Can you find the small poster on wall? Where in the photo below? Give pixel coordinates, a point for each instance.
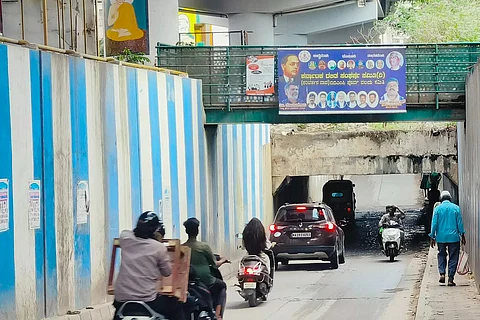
(4, 205)
(34, 204)
(83, 202)
(260, 75)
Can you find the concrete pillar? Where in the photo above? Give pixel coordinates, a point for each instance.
(291, 39)
(163, 20)
(261, 25)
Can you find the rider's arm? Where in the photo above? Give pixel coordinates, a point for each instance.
(163, 261)
(402, 213)
(382, 221)
(211, 257)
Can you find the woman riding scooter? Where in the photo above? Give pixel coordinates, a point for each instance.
(144, 261)
(256, 243)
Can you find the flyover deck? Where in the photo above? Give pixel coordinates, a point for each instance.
(435, 83)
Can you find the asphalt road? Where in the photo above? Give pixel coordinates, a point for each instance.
(366, 287)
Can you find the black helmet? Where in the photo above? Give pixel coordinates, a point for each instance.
(147, 224)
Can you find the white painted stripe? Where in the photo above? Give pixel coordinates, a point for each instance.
(249, 172)
(182, 176)
(239, 177)
(165, 147)
(258, 168)
(196, 153)
(231, 187)
(319, 312)
(145, 141)
(219, 233)
(62, 146)
(96, 171)
(22, 161)
(123, 149)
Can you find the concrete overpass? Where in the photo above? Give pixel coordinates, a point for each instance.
(285, 22)
(363, 153)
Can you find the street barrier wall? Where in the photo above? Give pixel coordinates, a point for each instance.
(101, 143)
(469, 171)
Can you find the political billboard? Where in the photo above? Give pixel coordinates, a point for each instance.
(342, 80)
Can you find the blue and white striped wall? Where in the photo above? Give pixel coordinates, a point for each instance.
(241, 181)
(137, 137)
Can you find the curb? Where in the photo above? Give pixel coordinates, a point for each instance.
(424, 311)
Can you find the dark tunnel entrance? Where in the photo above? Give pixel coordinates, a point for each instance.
(292, 190)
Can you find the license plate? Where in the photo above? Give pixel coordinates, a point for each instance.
(301, 235)
(249, 285)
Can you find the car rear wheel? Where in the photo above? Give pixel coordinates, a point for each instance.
(334, 260)
(341, 259)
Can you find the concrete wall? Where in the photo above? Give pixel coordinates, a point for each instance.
(374, 192)
(135, 137)
(373, 152)
(469, 171)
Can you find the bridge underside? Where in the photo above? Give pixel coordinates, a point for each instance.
(270, 115)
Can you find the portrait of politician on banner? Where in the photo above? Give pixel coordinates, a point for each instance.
(342, 80)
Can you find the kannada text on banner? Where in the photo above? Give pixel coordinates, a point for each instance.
(342, 80)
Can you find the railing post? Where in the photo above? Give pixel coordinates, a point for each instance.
(436, 77)
(228, 79)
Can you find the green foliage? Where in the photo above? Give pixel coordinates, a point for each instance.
(128, 56)
(434, 21)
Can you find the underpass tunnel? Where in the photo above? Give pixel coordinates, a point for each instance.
(291, 190)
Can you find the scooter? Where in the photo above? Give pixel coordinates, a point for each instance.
(392, 236)
(254, 280)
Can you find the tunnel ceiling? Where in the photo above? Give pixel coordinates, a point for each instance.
(258, 6)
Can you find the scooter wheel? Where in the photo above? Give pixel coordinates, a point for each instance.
(252, 299)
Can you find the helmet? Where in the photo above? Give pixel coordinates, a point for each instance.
(147, 224)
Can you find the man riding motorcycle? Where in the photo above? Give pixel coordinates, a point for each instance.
(205, 266)
(144, 261)
(391, 215)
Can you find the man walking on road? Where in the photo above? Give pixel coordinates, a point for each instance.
(447, 229)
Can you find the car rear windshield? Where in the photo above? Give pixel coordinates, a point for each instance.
(337, 196)
(301, 214)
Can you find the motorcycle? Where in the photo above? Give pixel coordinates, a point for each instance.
(137, 310)
(254, 280)
(392, 236)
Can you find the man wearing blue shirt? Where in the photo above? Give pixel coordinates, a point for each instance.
(447, 230)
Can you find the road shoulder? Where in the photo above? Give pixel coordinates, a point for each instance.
(441, 302)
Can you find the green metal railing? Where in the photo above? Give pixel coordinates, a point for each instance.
(435, 73)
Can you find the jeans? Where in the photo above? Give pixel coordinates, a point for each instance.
(453, 254)
(218, 291)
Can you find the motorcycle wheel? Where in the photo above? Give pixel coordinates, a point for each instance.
(252, 299)
(392, 258)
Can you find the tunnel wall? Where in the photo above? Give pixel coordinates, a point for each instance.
(362, 153)
(469, 171)
(103, 143)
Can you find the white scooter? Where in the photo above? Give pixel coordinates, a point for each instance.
(392, 237)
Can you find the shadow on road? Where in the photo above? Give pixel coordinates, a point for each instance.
(310, 266)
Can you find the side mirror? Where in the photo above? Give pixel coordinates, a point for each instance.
(353, 185)
(343, 223)
(239, 235)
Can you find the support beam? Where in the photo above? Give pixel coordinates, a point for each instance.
(270, 115)
(326, 19)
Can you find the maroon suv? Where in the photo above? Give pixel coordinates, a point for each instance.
(307, 232)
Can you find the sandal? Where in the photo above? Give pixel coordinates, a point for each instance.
(442, 278)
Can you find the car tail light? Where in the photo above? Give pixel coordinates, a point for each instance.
(349, 209)
(330, 226)
(274, 228)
